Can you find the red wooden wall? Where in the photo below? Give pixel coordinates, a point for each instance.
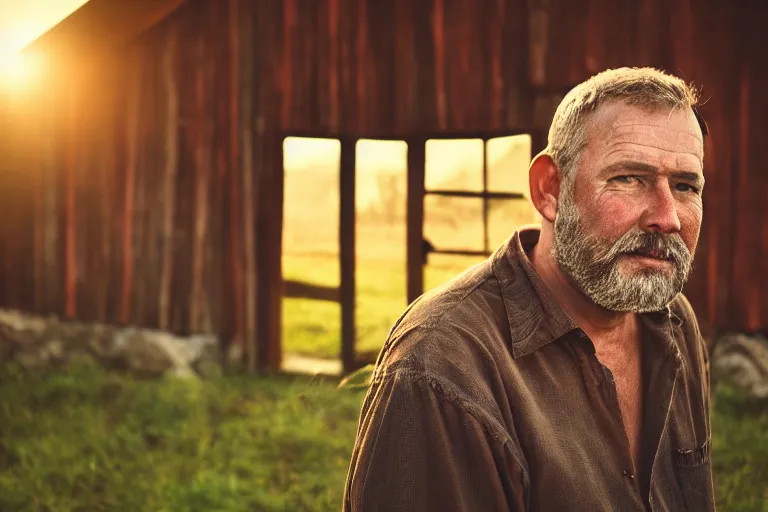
(146, 187)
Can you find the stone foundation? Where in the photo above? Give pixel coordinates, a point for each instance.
(40, 343)
(743, 361)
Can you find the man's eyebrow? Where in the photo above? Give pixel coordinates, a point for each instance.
(631, 165)
(694, 177)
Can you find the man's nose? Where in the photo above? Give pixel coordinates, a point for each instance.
(661, 212)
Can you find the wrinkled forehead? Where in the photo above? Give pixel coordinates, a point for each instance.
(619, 125)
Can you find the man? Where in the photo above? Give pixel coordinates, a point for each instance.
(567, 372)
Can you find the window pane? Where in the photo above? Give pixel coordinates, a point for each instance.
(311, 244)
(381, 189)
(454, 223)
(311, 210)
(505, 216)
(312, 328)
(454, 164)
(508, 161)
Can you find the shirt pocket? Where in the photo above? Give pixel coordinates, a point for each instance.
(694, 471)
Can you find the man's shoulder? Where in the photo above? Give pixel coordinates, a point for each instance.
(448, 300)
(453, 334)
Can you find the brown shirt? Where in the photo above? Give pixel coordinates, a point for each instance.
(488, 397)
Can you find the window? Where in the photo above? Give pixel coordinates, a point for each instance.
(476, 196)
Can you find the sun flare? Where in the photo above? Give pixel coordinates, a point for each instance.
(17, 70)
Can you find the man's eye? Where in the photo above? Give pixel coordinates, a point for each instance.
(684, 187)
(624, 179)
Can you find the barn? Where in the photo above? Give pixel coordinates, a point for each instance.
(143, 176)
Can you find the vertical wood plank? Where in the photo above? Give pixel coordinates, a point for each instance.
(348, 64)
(405, 70)
(201, 136)
(538, 42)
(169, 175)
(268, 214)
(648, 33)
(333, 66)
(682, 40)
(380, 66)
(498, 16)
(347, 252)
(154, 138)
(106, 210)
(248, 199)
(515, 73)
(271, 250)
(439, 49)
(132, 107)
(415, 217)
(361, 67)
(312, 61)
(759, 109)
(235, 165)
(37, 177)
(746, 263)
(70, 266)
(229, 330)
(138, 241)
(286, 83)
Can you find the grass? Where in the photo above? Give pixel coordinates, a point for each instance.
(740, 450)
(313, 327)
(90, 441)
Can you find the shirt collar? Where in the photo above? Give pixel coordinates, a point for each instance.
(535, 319)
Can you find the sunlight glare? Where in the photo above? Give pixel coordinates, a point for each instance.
(18, 71)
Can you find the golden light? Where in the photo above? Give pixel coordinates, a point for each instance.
(18, 71)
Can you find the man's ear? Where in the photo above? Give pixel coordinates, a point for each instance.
(544, 182)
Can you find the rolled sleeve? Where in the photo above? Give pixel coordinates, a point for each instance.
(419, 449)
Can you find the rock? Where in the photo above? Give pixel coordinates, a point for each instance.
(38, 343)
(145, 358)
(182, 352)
(18, 321)
(743, 361)
(102, 343)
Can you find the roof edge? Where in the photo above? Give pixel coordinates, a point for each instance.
(102, 23)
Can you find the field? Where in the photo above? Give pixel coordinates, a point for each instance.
(311, 238)
(87, 441)
(313, 328)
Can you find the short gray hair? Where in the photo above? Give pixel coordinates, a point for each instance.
(644, 87)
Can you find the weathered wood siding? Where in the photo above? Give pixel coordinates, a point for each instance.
(150, 192)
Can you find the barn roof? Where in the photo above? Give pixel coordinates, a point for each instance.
(101, 24)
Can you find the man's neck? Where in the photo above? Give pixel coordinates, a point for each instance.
(597, 322)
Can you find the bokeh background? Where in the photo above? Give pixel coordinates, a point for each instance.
(212, 212)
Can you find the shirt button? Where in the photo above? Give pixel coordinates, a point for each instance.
(629, 475)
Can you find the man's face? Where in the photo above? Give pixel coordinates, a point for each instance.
(626, 231)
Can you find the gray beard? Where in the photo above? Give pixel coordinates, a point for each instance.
(592, 263)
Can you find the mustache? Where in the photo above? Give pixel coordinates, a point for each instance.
(657, 245)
